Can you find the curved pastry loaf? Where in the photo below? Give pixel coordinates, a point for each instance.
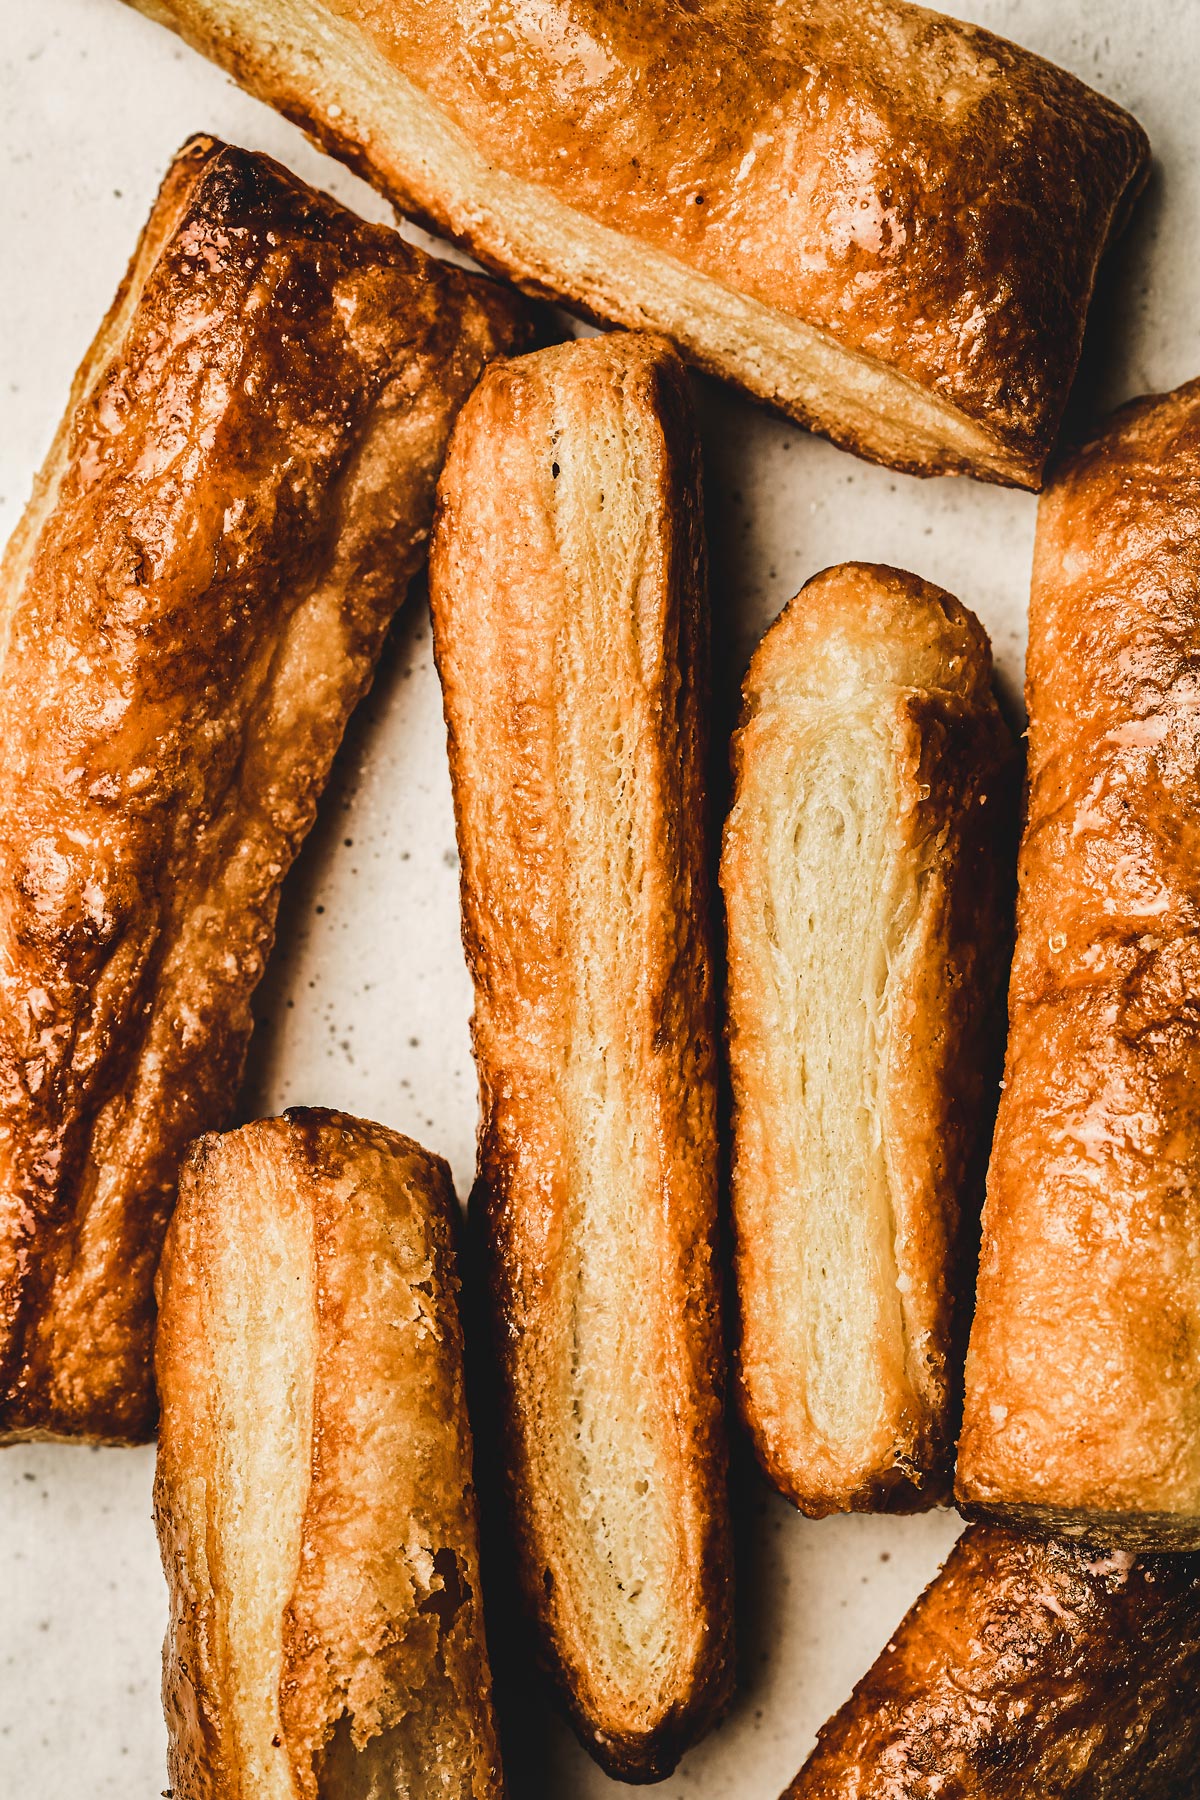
(192, 605)
(868, 901)
(1083, 1379)
(313, 1495)
(566, 584)
(1027, 1668)
(879, 220)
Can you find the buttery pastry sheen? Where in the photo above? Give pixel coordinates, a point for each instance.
(868, 893)
(1027, 1668)
(1083, 1378)
(193, 602)
(566, 585)
(313, 1493)
(882, 221)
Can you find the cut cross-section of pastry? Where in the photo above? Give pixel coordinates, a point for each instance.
(1082, 1408)
(314, 1494)
(566, 582)
(867, 880)
(194, 600)
(879, 220)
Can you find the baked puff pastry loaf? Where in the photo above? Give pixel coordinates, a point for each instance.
(566, 585)
(1027, 1668)
(866, 874)
(881, 221)
(192, 604)
(1083, 1380)
(313, 1494)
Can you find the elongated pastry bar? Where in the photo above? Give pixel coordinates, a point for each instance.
(1083, 1379)
(1027, 1668)
(881, 221)
(313, 1494)
(868, 897)
(566, 582)
(192, 604)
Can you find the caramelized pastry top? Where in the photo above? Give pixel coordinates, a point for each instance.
(193, 602)
(1027, 1668)
(924, 191)
(1091, 1254)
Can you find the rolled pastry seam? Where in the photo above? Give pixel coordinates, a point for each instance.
(314, 1496)
(1082, 1409)
(881, 221)
(867, 885)
(194, 600)
(1027, 1667)
(566, 585)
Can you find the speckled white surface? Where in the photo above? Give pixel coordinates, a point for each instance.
(366, 1003)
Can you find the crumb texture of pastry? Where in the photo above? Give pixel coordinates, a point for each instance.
(1082, 1407)
(567, 593)
(313, 1496)
(866, 872)
(1028, 1667)
(881, 221)
(239, 492)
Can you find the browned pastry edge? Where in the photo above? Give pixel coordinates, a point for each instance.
(1027, 1668)
(1143, 1533)
(195, 599)
(503, 590)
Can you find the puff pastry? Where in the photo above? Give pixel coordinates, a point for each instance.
(1027, 1668)
(566, 586)
(313, 1495)
(879, 220)
(1082, 1405)
(868, 904)
(192, 604)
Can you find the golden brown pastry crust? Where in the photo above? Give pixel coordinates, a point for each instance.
(879, 220)
(193, 603)
(868, 899)
(566, 585)
(326, 1625)
(1027, 1668)
(1083, 1379)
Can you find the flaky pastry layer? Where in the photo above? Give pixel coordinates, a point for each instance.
(879, 220)
(865, 872)
(192, 604)
(313, 1493)
(566, 584)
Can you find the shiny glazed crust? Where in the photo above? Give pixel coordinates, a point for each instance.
(1083, 1379)
(192, 604)
(313, 1494)
(1025, 1669)
(566, 583)
(883, 222)
(868, 901)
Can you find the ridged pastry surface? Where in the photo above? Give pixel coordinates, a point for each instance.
(567, 597)
(192, 604)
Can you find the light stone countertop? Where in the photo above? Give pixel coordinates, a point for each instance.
(367, 1000)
